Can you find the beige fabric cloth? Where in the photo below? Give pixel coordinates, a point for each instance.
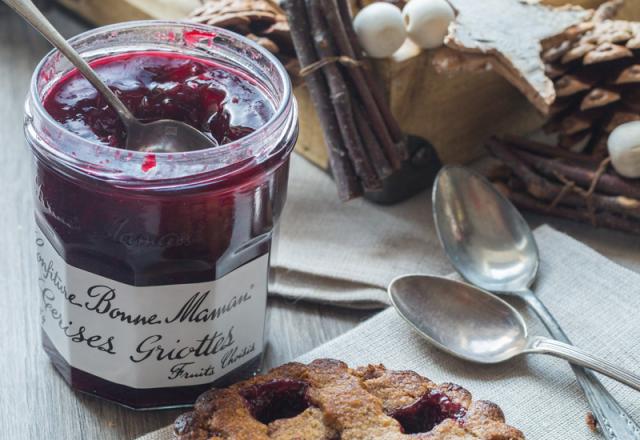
(346, 253)
(597, 302)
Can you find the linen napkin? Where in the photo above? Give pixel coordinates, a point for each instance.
(346, 253)
(596, 301)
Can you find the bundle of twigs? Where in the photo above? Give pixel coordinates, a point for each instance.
(553, 181)
(364, 141)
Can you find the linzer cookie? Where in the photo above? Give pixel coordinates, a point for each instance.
(328, 400)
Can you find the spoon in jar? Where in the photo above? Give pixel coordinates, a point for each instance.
(477, 326)
(492, 247)
(163, 136)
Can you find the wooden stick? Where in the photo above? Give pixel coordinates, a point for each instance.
(583, 176)
(378, 124)
(341, 100)
(525, 201)
(547, 150)
(372, 84)
(541, 188)
(348, 185)
(383, 167)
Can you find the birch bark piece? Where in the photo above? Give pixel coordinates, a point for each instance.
(449, 61)
(514, 31)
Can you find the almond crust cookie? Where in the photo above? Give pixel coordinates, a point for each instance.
(327, 400)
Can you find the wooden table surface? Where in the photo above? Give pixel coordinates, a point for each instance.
(35, 402)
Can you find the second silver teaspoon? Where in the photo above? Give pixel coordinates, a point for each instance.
(477, 326)
(164, 136)
(492, 246)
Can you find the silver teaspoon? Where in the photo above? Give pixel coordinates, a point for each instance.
(492, 246)
(477, 326)
(164, 135)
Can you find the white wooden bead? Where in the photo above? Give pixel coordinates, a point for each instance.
(380, 29)
(427, 21)
(408, 50)
(624, 149)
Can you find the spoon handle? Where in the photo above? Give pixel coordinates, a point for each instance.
(581, 357)
(34, 17)
(613, 420)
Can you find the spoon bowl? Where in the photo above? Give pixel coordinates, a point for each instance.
(484, 235)
(460, 319)
(477, 326)
(166, 136)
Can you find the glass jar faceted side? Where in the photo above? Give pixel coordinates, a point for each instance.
(176, 243)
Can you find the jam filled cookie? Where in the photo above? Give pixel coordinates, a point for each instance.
(327, 400)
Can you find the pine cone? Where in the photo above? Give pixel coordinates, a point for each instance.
(597, 80)
(263, 21)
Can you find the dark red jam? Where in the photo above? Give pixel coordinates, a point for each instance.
(157, 85)
(427, 412)
(179, 234)
(277, 399)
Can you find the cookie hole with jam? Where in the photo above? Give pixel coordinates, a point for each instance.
(427, 412)
(277, 399)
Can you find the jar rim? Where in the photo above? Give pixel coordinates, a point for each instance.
(283, 117)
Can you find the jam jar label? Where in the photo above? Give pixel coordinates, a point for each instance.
(156, 336)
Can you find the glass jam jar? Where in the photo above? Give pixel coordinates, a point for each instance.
(153, 267)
